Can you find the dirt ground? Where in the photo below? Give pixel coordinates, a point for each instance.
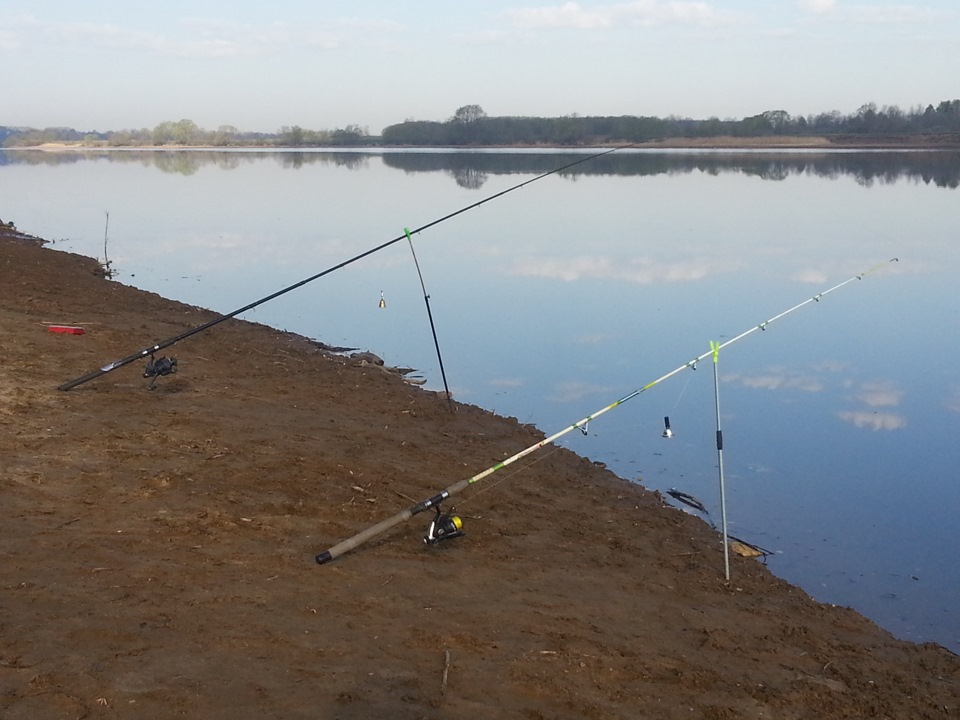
(158, 548)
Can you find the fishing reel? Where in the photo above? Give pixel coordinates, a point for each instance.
(444, 526)
(159, 368)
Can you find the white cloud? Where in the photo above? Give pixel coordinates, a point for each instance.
(891, 14)
(501, 37)
(375, 25)
(117, 37)
(875, 13)
(16, 31)
(778, 379)
(568, 15)
(833, 366)
(506, 382)
(593, 339)
(643, 13)
(324, 40)
(575, 390)
(880, 394)
(873, 420)
(216, 250)
(210, 27)
(818, 7)
(194, 37)
(953, 399)
(8, 41)
(811, 276)
(642, 271)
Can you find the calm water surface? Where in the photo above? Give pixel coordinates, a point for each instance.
(839, 421)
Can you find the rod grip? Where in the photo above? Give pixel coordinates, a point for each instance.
(362, 537)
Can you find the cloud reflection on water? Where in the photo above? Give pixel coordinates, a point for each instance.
(880, 394)
(778, 379)
(640, 270)
(873, 420)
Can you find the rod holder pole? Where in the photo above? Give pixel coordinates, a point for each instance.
(715, 349)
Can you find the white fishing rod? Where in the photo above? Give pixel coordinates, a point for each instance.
(434, 501)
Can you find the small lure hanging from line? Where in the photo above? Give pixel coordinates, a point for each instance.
(667, 432)
(383, 303)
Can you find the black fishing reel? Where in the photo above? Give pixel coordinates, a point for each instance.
(159, 368)
(444, 526)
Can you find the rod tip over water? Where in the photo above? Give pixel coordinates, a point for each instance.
(324, 557)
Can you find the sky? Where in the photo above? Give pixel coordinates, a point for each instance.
(112, 65)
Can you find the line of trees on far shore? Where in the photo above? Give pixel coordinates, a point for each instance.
(471, 126)
(186, 133)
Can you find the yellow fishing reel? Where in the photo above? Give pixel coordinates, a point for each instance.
(444, 526)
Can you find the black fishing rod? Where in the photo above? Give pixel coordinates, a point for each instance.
(149, 351)
(433, 328)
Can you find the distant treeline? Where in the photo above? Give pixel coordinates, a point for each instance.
(187, 133)
(471, 126)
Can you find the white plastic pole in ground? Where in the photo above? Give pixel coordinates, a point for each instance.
(715, 348)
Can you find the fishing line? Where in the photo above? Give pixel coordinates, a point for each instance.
(667, 430)
(519, 470)
(682, 391)
(384, 525)
(149, 351)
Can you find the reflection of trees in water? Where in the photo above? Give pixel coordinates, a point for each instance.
(469, 178)
(472, 169)
(177, 162)
(38, 157)
(295, 160)
(184, 162)
(939, 168)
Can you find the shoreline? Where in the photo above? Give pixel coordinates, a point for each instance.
(939, 142)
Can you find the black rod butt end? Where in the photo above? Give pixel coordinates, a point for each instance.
(324, 557)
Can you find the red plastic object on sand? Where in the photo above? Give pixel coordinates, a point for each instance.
(67, 329)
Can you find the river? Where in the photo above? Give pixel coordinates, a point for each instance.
(555, 299)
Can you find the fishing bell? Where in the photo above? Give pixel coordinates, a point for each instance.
(383, 303)
(444, 526)
(667, 432)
